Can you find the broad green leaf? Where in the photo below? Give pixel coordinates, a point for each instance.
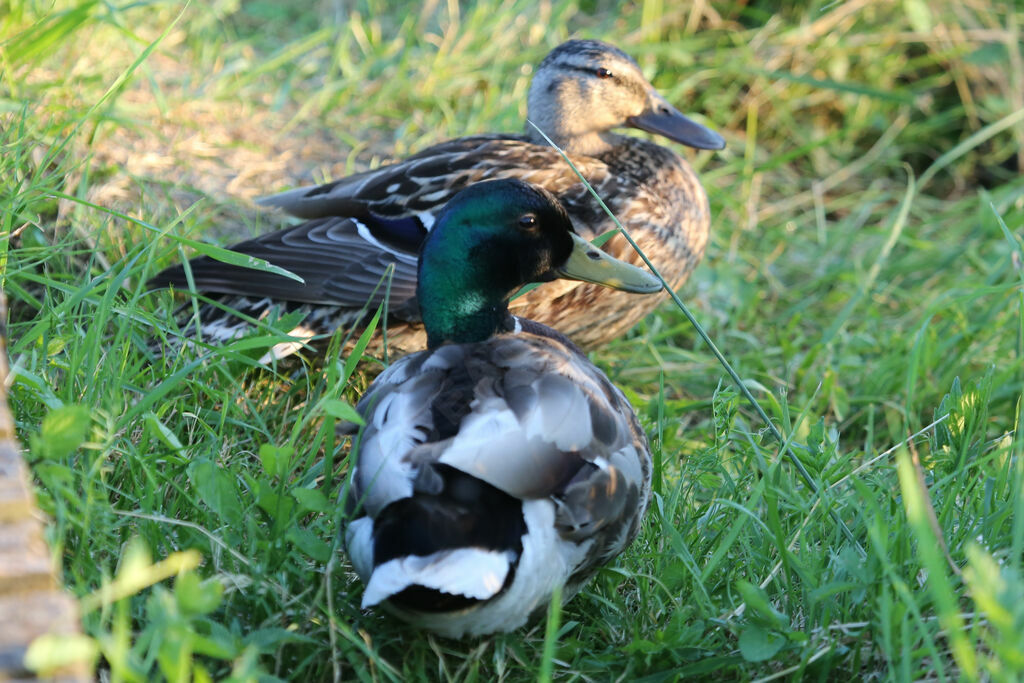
(276, 459)
(759, 606)
(63, 430)
(309, 543)
(163, 431)
(311, 500)
(342, 411)
(758, 644)
(218, 489)
(196, 596)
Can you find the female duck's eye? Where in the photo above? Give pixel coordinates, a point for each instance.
(603, 72)
(528, 222)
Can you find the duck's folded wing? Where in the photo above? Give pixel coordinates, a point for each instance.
(422, 183)
(535, 419)
(342, 261)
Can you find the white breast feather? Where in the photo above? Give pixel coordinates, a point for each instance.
(627, 461)
(441, 359)
(396, 373)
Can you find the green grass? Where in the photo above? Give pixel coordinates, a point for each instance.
(864, 278)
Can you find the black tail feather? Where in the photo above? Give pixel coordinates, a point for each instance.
(466, 513)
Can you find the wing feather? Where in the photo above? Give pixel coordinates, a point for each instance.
(340, 267)
(426, 181)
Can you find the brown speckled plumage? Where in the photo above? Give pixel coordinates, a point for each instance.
(358, 225)
(665, 210)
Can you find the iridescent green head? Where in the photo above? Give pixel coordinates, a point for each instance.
(491, 239)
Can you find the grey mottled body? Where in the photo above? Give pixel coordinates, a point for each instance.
(565, 466)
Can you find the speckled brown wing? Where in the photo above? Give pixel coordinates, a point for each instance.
(424, 182)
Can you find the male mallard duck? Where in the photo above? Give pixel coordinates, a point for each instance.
(360, 225)
(499, 463)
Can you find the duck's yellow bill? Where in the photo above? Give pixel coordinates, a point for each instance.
(590, 264)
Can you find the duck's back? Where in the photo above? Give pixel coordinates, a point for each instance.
(487, 474)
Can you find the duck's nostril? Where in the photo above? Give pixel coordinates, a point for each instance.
(594, 255)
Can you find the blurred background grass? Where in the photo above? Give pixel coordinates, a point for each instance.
(864, 276)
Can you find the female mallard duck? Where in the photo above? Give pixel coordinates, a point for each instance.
(361, 225)
(500, 463)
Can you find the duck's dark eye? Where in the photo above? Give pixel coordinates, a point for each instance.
(528, 222)
(603, 72)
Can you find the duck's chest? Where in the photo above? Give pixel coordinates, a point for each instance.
(657, 197)
(651, 190)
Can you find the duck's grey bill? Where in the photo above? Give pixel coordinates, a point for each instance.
(668, 121)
